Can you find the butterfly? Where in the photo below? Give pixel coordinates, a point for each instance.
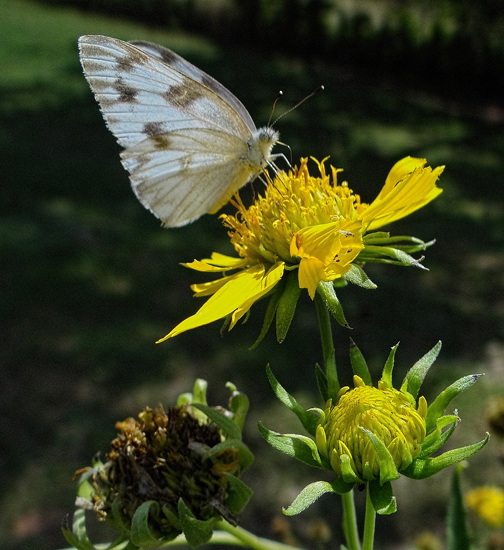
(189, 143)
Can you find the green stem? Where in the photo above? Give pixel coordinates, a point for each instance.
(350, 521)
(329, 355)
(243, 537)
(369, 523)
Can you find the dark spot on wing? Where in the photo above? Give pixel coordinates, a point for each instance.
(168, 56)
(127, 94)
(126, 64)
(182, 95)
(161, 141)
(208, 81)
(153, 129)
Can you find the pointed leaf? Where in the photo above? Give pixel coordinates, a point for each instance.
(357, 276)
(224, 422)
(197, 532)
(77, 537)
(388, 469)
(238, 494)
(199, 391)
(143, 534)
(359, 365)
(307, 418)
(389, 367)
(422, 468)
(457, 535)
(328, 295)
(246, 456)
(438, 406)
(311, 493)
(415, 376)
(384, 502)
(270, 314)
(287, 305)
(239, 405)
(298, 446)
(435, 440)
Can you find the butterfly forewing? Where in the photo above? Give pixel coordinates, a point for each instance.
(189, 143)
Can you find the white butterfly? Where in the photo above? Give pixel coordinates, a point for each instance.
(189, 143)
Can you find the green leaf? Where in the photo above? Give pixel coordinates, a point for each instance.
(389, 367)
(197, 532)
(388, 469)
(199, 391)
(239, 405)
(246, 455)
(359, 365)
(77, 536)
(287, 305)
(309, 495)
(308, 419)
(384, 502)
(298, 446)
(270, 314)
(438, 406)
(143, 534)
(373, 253)
(376, 237)
(357, 276)
(327, 293)
(422, 468)
(225, 423)
(238, 494)
(415, 376)
(457, 535)
(435, 440)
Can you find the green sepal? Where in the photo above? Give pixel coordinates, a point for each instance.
(388, 469)
(196, 531)
(347, 472)
(438, 406)
(415, 376)
(389, 367)
(376, 237)
(321, 378)
(313, 492)
(308, 419)
(435, 440)
(382, 498)
(297, 446)
(357, 276)
(457, 535)
(372, 253)
(239, 405)
(224, 422)
(77, 536)
(246, 456)
(116, 518)
(238, 492)
(287, 305)
(142, 534)
(326, 291)
(359, 365)
(426, 467)
(84, 488)
(270, 314)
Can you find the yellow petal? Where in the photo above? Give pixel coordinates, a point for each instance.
(311, 272)
(240, 291)
(218, 262)
(409, 194)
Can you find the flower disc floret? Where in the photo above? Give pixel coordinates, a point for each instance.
(384, 412)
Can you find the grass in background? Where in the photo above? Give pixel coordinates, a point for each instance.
(90, 280)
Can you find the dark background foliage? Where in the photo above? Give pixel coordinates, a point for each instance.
(89, 279)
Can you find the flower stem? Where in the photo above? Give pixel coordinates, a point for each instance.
(369, 523)
(324, 321)
(350, 521)
(242, 537)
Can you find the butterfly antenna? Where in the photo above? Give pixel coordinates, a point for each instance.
(309, 96)
(279, 95)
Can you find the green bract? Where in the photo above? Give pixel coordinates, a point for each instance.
(373, 434)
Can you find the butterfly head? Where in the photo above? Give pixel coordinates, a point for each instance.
(260, 145)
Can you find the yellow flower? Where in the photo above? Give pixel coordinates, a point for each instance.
(313, 224)
(488, 503)
(384, 412)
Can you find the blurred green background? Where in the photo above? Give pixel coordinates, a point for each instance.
(90, 280)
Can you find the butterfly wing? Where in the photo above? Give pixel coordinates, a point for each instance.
(186, 137)
(188, 172)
